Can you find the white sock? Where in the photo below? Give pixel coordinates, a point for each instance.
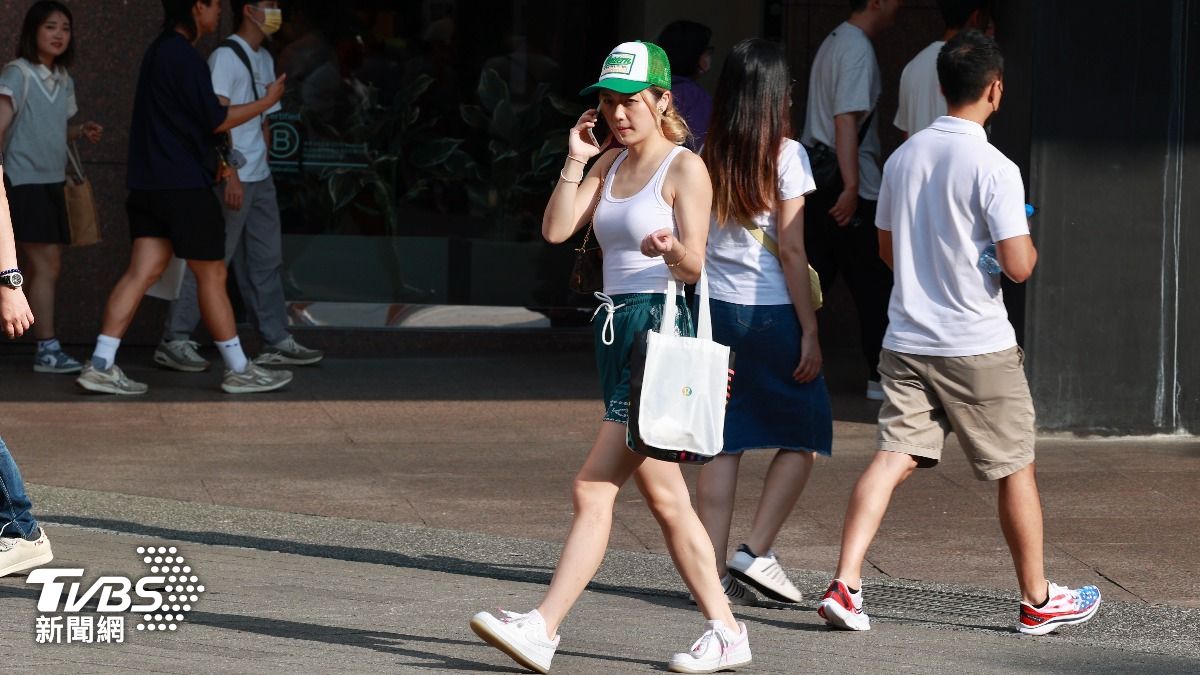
(106, 351)
(51, 345)
(231, 352)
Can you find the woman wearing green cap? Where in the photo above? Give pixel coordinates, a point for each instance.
(650, 201)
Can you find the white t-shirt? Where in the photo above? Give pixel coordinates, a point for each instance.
(231, 80)
(921, 100)
(743, 271)
(947, 194)
(845, 78)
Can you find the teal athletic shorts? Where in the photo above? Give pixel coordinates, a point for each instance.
(633, 314)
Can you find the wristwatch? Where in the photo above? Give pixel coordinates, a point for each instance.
(12, 278)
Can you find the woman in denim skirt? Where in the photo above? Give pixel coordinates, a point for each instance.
(762, 308)
(651, 200)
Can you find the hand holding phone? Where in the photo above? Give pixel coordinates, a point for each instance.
(600, 134)
(584, 142)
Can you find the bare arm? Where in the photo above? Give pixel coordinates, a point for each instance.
(691, 198)
(240, 114)
(885, 248)
(794, 259)
(15, 317)
(6, 118)
(570, 205)
(846, 144)
(1017, 257)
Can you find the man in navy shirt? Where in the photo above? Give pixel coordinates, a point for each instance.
(172, 208)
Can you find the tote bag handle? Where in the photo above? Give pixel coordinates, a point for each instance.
(670, 311)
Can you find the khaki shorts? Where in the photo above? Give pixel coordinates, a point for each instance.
(984, 399)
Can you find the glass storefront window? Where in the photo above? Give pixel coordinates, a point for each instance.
(418, 142)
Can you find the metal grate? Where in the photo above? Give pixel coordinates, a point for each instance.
(901, 600)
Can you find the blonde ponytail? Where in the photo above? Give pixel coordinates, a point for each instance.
(672, 124)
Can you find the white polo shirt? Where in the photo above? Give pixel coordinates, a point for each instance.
(232, 80)
(921, 100)
(845, 78)
(946, 195)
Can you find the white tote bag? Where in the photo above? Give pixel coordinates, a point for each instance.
(678, 412)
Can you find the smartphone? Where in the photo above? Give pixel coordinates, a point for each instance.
(600, 133)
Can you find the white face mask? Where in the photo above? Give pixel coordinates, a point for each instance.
(272, 21)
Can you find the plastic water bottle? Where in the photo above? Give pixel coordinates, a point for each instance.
(987, 260)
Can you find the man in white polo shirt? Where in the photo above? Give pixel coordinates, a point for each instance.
(921, 100)
(950, 360)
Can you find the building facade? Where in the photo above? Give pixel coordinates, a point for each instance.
(419, 139)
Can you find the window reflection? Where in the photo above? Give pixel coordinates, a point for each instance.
(419, 141)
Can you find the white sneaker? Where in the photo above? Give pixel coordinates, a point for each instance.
(289, 353)
(521, 636)
(718, 649)
(764, 574)
(874, 390)
(255, 380)
(180, 355)
(111, 381)
(18, 555)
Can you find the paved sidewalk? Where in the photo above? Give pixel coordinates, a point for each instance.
(355, 521)
(289, 593)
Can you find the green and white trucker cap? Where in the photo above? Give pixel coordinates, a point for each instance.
(632, 67)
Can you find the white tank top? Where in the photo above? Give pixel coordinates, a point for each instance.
(622, 224)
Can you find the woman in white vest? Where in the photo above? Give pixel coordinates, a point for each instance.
(37, 98)
(651, 202)
(762, 307)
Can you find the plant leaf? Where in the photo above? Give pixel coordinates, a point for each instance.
(492, 89)
(434, 152)
(505, 124)
(568, 108)
(474, 116)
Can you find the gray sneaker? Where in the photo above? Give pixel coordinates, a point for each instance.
(289, 353)
(180, 355)
(55, 361)
(254, 380)
(111, 381)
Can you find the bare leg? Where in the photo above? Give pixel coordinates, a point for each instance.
(868, 503)
(715, 492)
(608, 465)
(1021, 520)
(42, 263)
(667, 495)
(215, 308)
(786, 478)
(147, 261)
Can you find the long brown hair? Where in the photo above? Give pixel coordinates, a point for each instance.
(749, 122)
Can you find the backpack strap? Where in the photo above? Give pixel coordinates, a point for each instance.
(236, 48)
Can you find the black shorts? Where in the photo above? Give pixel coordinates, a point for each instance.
(191, 219)
(39, 212)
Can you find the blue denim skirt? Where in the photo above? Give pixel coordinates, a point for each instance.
(767, 408)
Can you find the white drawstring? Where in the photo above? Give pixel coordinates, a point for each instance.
(608, 334)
